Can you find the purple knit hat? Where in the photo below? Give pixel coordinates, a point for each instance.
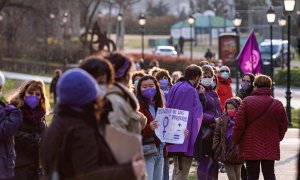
(76, 88)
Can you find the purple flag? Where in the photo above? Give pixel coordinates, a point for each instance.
(249, 58)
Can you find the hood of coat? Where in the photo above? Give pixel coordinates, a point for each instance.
(119, 88)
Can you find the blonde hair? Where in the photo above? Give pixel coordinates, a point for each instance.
(18, 99)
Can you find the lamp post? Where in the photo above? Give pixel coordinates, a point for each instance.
(64, 24)
(142, 22)
(119, 19)
(289, 6)
(191, 21)
(237, 21)
(282, 23)
(271, 16)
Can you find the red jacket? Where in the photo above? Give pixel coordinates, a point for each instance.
(224, 90)
(260, 126)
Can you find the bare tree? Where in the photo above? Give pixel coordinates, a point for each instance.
(122, 5)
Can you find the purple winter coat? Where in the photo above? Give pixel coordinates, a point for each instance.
(10, 122)
(184, 96)
(213, 108)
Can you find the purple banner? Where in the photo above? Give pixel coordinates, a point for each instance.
(249, 58)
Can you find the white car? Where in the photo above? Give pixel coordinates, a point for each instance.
(165, 50)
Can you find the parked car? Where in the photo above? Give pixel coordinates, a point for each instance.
(279, 52)
(165, 50)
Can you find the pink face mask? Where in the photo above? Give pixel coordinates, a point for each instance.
(231, 113)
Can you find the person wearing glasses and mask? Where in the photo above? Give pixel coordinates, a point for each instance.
(203, 153)
(224, 87)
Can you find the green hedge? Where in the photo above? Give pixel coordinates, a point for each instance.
(281, 79)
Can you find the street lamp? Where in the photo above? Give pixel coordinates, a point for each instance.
(142, 22)
(271, 16)
(119, 19)
(289, 6)
(52, 16)
(282, 23)
(65, 19)
(191, 21)
(237, 21)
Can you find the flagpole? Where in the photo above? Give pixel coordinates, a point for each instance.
(252, 56)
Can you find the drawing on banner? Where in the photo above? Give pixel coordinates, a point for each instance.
(171, 125)
(166, 123)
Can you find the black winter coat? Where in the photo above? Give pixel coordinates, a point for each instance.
(73, 144)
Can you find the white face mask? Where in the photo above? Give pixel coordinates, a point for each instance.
(213, 84)
(206, 82)
(103, 90)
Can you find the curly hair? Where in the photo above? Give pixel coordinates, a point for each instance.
(18, 99)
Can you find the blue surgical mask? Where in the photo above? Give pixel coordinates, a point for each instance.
(32, 101)
(135, 83)
(225, 75)
(149, 93)
(164, 84)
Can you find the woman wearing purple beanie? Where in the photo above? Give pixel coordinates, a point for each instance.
(73, 147)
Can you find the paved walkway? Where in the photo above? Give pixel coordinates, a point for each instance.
(286, 168)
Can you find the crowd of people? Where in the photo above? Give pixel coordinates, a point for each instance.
(242, 132)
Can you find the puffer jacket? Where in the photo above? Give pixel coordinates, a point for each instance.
(261, 123)
(10, 122)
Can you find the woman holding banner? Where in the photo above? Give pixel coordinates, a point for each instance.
(150, 99)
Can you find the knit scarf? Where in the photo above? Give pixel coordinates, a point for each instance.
(34, 116)
(229, 127)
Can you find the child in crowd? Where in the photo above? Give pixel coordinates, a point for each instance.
(164, 80)
(225, 150)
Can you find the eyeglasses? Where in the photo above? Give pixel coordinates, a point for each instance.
(224, 71)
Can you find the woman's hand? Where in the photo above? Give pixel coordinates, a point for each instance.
(153, 124)
(202, 89)
(138, 166)
(186, 133)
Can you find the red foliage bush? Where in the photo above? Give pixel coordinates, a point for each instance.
(167, 62)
